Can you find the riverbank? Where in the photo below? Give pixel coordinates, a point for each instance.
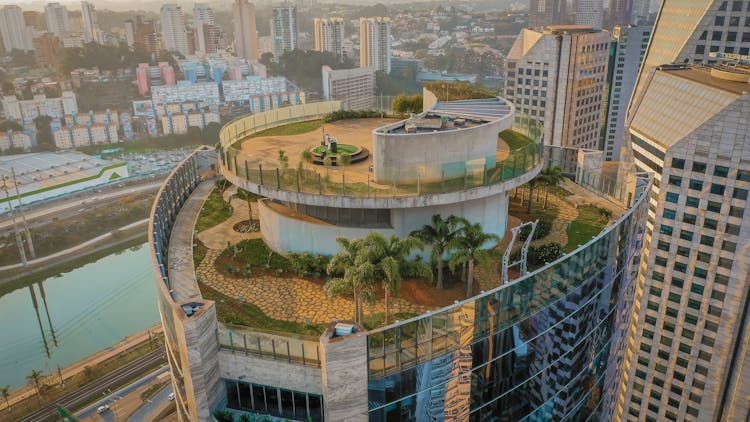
(113, 242)
(25, 400)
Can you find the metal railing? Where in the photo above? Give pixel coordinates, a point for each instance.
(280, 347)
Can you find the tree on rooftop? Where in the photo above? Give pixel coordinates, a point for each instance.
(549, 177)
(438, 235)
(468, 248)
(356, 276)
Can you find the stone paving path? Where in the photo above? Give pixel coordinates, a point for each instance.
(290, 298)
(217, 237)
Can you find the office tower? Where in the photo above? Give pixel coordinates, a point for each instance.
(15, 34)
(375, 43)
(329, 35)
(245, 34)
(547, 12)
(90, 29)
(58, 21)
(620, 13)
(589, 13)
(203, 16)
(689, 31)
(355, 86)
(558, 76)
(46, 49)
(628, 47)
(173, 30)
(284, 29)
(689, 357)
(129, 32)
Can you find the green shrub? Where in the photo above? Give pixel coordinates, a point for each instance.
(543, 254)
(351, 114)
(306, 264)
(543, 228)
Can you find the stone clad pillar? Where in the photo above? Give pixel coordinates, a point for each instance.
(344, 368)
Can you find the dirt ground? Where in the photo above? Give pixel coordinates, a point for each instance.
(356, 132)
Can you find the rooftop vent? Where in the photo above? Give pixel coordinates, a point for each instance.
(343, 329)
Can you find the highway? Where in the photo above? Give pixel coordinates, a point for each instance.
(37, 211)
(143, 411)
(94, 390)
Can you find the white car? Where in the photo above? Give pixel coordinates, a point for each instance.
(171, 396)
(102, 409)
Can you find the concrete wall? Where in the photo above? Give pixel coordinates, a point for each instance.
(269, 372)
(404, 157)
(287, 233)
(428, 99)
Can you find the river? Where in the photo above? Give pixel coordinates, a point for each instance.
(62, 319)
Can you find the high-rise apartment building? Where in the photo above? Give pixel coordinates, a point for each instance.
(620, 13)
(245, 33)
(173, 30)
(547, 12)
(146, 36)
(203, 20)
(35, 20)
(589, 13)
(329, 35)
(13, 30)
(284, 29)
(375, 43)
(627, 50)
(355, 86)
(689, 356)
(558, 77)
(641, 11)
(129, 32)
(58, 21)
(90, 28)
(47, 49)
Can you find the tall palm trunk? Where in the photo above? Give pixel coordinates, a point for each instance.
(440, 272)
(387, 304)
(470, 283)
(546, 195)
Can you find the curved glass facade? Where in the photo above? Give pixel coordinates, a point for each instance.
(538, 348)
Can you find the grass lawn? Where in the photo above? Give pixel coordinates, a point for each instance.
(214, 211)
(199, 252)
(589, 223)
(514, 139)
(257, 254)
(341, 148)
(290, 129)
(231, 311)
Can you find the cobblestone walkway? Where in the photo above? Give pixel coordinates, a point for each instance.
(290, 298)
(217, 237)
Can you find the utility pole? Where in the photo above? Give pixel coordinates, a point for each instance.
(19, 241)
(23, 215)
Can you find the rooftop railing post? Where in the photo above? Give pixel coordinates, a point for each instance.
(343, 185)
(320, 184)
(502, 171)
(260, 171)
(419, 185)
(524, 162)
(278, 179)
(260, 350)
(442, 180)
(466, 176)
(288, 353)
(297, 171)
(303, 353)
(368, 186)
(247, 172)
(231, 341)
(273, 348)
(244, 341)
(515, 158)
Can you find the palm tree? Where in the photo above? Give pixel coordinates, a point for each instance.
(35, 377)
(468, 248)
(358, 275)
(438, 235)
(549, 177)
(5, 392)
(389, 258)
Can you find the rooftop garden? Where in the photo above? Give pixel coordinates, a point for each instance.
(453, 91)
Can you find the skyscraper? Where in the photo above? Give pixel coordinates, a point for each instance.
(245, 33)
(90, 29)
(628, 47)
(130, 32)
(547, 12)
(558, 76)
(620, 13)
(58, 21)
(375, 43)
(203, 19)
(329, 35)
(688, 356)
(284, 29)
(589, 13)
(15, 34)
(173, 30)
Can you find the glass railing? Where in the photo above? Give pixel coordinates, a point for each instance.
(338, 181)
(278, 347)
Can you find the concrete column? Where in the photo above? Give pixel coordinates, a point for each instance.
(344, 367)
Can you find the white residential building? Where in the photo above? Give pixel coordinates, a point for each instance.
(17, 140)
(90, 28)
(14, 32)
(58, 21)
(205, 93)
(355, 86)
(81, 135)
(284, 30)
(329, 35)
(27, 110)
(179, 122)
(375, 43)
(173, 30)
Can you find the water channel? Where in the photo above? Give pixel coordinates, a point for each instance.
(62, 319)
